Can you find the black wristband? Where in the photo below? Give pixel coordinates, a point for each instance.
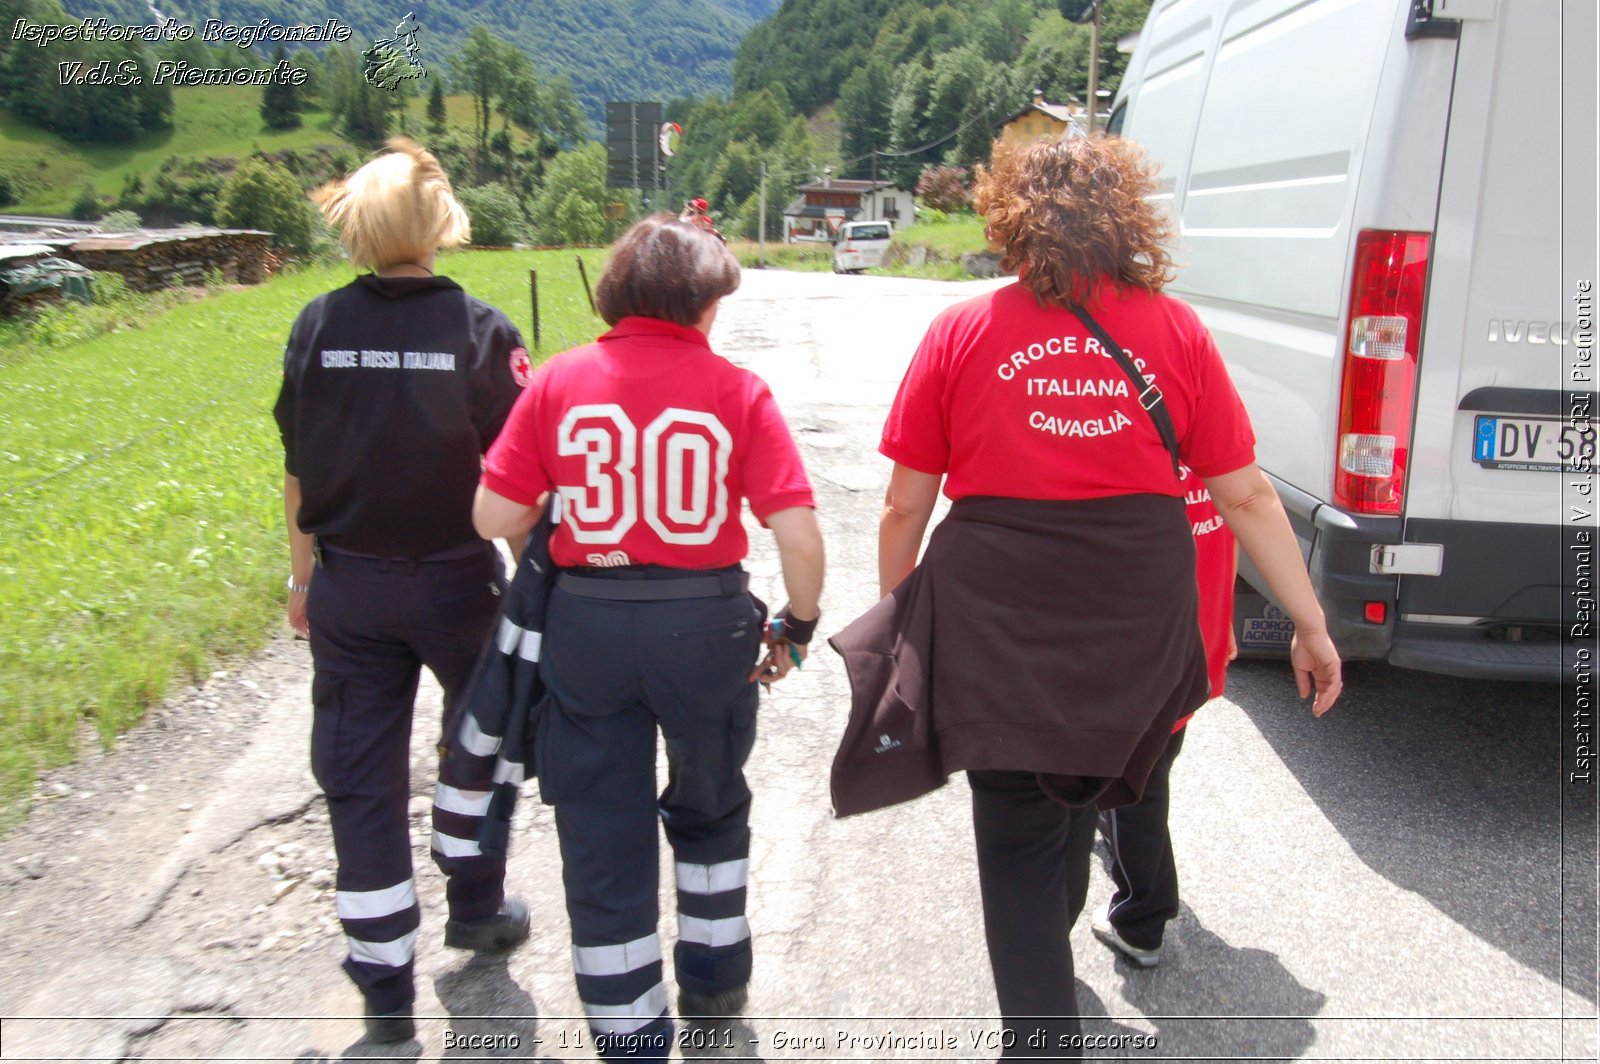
(797, 631)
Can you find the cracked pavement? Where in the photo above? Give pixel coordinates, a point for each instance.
(173, 899)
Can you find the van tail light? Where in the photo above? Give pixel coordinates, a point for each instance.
(1380, 371)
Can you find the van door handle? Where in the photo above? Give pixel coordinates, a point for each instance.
(1408, 559)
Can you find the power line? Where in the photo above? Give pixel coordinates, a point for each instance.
(893, 154)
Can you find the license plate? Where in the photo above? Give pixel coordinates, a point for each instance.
(1539, 445)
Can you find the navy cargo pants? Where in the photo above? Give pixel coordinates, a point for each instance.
(375, 622)
(616, 671)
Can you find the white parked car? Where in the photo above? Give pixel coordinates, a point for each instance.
(1372, 221)
(860, 245)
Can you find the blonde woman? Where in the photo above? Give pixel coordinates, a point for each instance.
(394, 386)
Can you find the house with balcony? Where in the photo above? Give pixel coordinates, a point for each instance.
(823, 206)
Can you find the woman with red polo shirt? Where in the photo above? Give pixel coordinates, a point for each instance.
(648, 443)
(1063, 584)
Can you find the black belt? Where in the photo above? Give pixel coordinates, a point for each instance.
(655, 586)
(465, 550)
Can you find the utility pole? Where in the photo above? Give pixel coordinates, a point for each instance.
(1094, 65)
(875, 184)
(761, 221)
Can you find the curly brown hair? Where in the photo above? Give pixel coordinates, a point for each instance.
(1070, 213)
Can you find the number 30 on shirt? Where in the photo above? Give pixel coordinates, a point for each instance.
(680, 461)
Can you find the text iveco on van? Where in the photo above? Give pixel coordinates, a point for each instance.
(1370, 220)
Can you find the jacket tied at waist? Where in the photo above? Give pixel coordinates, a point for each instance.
(1049, 636)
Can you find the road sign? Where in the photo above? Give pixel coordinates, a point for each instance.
(633, 145)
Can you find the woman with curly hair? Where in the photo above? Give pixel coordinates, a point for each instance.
(1058, 597)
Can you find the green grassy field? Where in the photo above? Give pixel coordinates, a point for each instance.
(950, 239)
(215, 121)
(781, 256)
(141, 526)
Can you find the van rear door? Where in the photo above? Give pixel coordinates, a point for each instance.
(1492, 428)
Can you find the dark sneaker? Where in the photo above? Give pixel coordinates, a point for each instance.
(397, 1026)
(1100, 924)
(706, 1006)
(504, 929)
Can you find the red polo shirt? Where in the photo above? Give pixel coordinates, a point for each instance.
(653, 442)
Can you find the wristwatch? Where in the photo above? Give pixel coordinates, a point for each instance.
(294, 588)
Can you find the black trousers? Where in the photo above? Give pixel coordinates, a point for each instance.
(1033, 870)
(1142, 867)
(374, 624)
(616, 673)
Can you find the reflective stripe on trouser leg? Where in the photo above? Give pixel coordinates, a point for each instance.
(624, 998)
(380, 925)
(713, 951)
(705, 810)
(606, 823)
(477, 882)
(380, 928)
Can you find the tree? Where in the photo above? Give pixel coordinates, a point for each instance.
(484, 66)
(1002, 29)
(1055, 60)
(311, 88)
(577, 221)
(748, 222)
(437, 116)
(572, 178)
(945, 188)
(908, 130)
(88, 205)
(955, 97)
(736, 176)
(496, 215)
(280, 99)
(366, 116)
(864, 113)
(564, 120)
(263, 195)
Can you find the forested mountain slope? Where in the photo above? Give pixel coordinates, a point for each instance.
(610, 49)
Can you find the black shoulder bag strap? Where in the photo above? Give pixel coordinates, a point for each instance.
(1149, 395)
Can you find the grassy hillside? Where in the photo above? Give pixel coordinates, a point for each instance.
(219, 121)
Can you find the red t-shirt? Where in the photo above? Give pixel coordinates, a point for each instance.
(653, 442)
(1017, 400)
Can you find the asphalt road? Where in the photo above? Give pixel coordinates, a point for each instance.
(1387, 883)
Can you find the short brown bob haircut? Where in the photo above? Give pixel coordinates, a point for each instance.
(1072, 213)
(664, 268)
(397, 208)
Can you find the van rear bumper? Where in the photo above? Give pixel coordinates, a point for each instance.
(1505, 575)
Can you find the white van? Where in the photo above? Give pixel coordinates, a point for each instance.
(1373, 223)
(859, 245)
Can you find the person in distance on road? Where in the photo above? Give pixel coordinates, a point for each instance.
(698, 212)
(393, 387)
(648, 444)
(1060, 592)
